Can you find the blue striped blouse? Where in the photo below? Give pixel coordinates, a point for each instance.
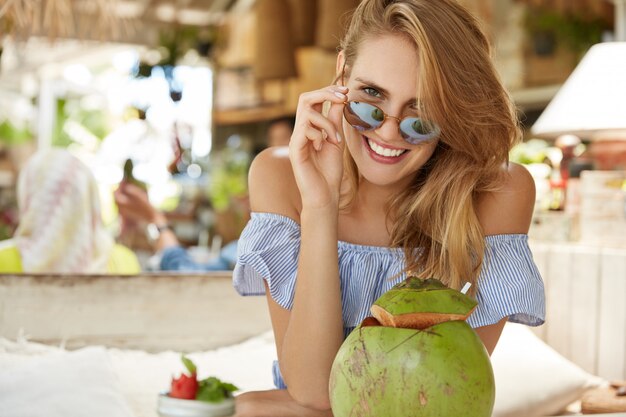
(509, 284)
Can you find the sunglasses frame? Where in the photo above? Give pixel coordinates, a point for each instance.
(407, 138)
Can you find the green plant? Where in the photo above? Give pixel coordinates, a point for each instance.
(14, 135)
(533, 151)
(176, 42)
(69, 111)
(576, 32)
(229, 178)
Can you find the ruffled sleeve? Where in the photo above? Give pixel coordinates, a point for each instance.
(268, 250)
(509, 284)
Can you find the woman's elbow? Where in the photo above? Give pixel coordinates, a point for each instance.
(316, 401)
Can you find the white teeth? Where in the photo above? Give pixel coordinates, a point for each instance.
(384, 151)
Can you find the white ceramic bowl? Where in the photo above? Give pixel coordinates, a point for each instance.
(176, 407)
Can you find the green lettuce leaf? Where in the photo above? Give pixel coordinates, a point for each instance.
(213, 390)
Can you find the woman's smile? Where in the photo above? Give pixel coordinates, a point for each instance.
(384, 154)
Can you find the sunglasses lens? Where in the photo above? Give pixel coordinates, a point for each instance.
(415, 130)
(363, 116)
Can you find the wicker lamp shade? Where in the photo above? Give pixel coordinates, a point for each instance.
(274, 53)
(332, 21)
(240, 32)
(304, 15)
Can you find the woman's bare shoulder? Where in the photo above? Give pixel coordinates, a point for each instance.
(510, 208)
(272, 185)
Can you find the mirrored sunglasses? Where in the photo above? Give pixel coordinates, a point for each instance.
(365, 117)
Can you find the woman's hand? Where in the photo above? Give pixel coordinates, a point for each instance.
(316, 147)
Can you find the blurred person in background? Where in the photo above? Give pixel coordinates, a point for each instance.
(60, 223)
(134, 206)
(279, 131)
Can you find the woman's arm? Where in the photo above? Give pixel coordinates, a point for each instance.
(306, 188)
(491, 334)
(507, 211)
(315, 330)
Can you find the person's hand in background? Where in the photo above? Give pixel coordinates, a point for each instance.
(133, 204)
(134, 207)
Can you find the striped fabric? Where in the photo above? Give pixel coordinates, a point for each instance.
(509, 284)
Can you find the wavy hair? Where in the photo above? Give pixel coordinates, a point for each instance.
(434, 220)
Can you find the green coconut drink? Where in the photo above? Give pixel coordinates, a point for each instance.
(416, 357)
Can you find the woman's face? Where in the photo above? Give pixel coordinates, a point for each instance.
(385, 74)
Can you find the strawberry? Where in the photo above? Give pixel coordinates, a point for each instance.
(184, 387)
(211, 389)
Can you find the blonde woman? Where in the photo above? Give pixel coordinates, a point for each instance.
(60, 224)
(407, 171)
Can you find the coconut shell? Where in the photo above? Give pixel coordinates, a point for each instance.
(386, 372)
(418, 304)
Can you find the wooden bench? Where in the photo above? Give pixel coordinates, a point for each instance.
(585, 320)
(152, 312)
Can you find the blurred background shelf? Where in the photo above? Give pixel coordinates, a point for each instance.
(250, 115)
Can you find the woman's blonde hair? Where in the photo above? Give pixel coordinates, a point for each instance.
(434, 220)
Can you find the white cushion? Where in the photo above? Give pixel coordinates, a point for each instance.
(532, 379)
(62, 384)
(143, 375)
(124, 379)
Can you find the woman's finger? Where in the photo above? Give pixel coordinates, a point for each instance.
(315, 99)
(323, 123)
(335, 116)
(320, 142)
(311, 125)
(314, 136)
(314, 133)
(310, 129)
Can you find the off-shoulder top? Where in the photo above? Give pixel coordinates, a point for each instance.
(509, 284)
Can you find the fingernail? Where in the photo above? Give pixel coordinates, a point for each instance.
(342, 87)
(340, 95)
(338, 137)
